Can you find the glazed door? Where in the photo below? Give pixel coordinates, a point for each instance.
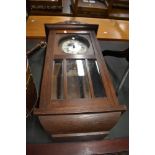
(75, 77)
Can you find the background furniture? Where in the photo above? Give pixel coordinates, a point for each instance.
(64, 11)
(119, 9)
(114, 9)
(119, 54)
(108, 29)
(91, 9)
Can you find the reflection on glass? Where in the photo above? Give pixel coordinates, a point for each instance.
(96, 79)
(57, 81)
(77, 79)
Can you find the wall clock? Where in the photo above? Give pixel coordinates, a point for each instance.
(77, 98)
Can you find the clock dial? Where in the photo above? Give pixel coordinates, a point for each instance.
(74, 44)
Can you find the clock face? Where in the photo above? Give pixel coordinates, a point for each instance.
(74, 44)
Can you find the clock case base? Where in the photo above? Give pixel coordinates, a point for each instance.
(79, 126)
(92, 123)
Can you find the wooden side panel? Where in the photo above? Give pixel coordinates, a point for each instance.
(79, 123)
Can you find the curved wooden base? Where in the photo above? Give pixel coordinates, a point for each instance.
(80, 136)
(79, 126)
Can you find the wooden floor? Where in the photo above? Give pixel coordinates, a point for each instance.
(109, 29)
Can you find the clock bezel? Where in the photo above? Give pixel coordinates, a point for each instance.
(59, 34)
(74, 38)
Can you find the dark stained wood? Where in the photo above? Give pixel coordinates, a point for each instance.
(121, 3)
(64, 9)
(74, 6)
(47, 75)
(122, 14)
(79, 107)
(89, 78)
(79, 123)
(52, 75)
(79, 136)
(105, 74)
(65, 79)
(80, 148)
(115, 9)
(98, 9)
(119, 9)
(70, 26)
(77, 117)
(45, 5)
(53, 2)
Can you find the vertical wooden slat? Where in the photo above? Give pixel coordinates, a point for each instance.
(75, 8)
(53, 64)
(65, 78)
(59, 82)
(89, 79)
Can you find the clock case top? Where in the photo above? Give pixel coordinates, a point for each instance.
(46, 106)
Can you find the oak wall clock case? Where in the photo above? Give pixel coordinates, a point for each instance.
(77, 98)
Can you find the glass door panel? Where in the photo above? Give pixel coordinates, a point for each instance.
(96, 79)
(77, 79)
(58, 80)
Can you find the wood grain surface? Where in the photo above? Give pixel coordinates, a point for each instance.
(79, 148)
(109, 29)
